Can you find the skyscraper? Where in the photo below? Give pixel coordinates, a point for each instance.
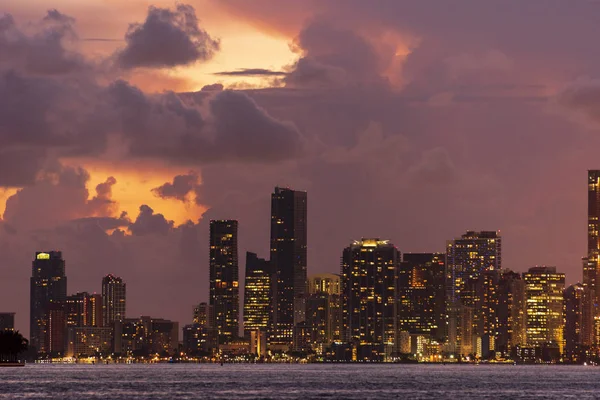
(288, 260)
(257, 294)
(224, 291)
(78, 310)
(113, 300)
(323, 310)
(369, 295)
(421, 294)
(48, 288)
(591, 273)
(574, 321)
(544, 296)
(466, 258)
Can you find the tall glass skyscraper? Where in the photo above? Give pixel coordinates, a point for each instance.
(257, 294)
(288, 260)
(48, 292)
(466, 258)
(113, 300)
(370, 269)
(224, 291)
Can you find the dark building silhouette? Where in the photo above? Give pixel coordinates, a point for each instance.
(7, 321)
(466, 257)
(114, 305)
(288, 260)
(510, 313)
(257, 294)
(591, 273)
(224, 291)
(48, 290)
(421, 294)
(575, 298)
(78, 309)
(370, 269)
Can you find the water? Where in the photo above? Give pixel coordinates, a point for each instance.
(284, 381)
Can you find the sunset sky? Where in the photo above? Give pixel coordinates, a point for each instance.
(126, 125)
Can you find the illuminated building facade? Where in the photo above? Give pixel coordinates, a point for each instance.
(544, 298)
(510, 313)
(95, 310)
(146, 336)
(466, 257)
(421, 294)
(224, 291)
(591, 273)
(575, 300)
(114, 292)
(257, 295)
(89, 341)
(369, 274)
(323, 310)
(288, 260)
(203, 314)
(78, 309)
(56, 337)
(7, 321)
(48, 286)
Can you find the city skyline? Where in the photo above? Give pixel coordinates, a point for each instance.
(401, 122)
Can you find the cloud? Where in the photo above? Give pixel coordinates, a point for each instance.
(583, 98)
(148, 223)
(103, 204)
(167, 38)
(45, 52)
(180, 188)
(251, 72)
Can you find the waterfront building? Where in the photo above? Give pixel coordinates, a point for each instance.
(224, 290)
(114, 292)
(48, 287)
(257, 294)
(288, 261)
(369, 274)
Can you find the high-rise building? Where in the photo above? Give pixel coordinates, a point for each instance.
(257, 295)
(288, 260)
(203, 314)
(510, 313)
(323, 311)
(146, 336)
(48, 288)
(95, 310)
(78, 310)
(466, 257)
(7, 321)
(224, 291)
(113, 300)
(544, 298)
(369, 275)
(421, 294)
(575, 298)
(591, 272)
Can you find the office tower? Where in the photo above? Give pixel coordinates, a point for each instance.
(288, 260)
(510, 313)
(95, 310)
(544, 298)
(114, 293)
(257, 294)
(323, 310)
(77, 309)
(591, 274)
(224, 291)
(369, 275)
(7, 321)
(56, 337)
(48, 287)
(421, 294)
(575, 298)
(466, 257)
(589, 301)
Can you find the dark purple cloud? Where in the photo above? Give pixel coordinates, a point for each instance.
(148, 223)
(167, 38)
(251, 72)
(181, 186)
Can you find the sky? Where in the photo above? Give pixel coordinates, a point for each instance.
(126, 126)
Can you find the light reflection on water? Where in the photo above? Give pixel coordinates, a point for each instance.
(284, 381)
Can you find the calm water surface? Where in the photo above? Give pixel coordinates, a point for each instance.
(273, 381)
